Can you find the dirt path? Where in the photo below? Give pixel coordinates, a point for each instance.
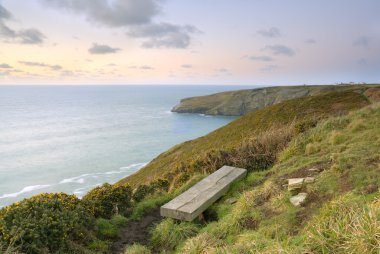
(136, 231)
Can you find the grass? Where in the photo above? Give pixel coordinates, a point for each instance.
(137, 249)
(342, 214)
(250, 126)
(345, 226)
(169, 233)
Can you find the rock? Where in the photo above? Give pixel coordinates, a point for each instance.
(231, 201)
(299, 199)
(295, 183)
(309, 180)
(314, 170)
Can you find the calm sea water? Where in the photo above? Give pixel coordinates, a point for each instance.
(73, 138)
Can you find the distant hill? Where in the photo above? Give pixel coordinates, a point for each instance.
(241, 102)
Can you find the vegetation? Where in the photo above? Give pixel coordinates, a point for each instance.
(327, 132)
(45, 223)
(106, 200)
(185, 157)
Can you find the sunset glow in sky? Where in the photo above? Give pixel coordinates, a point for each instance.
(251, 42)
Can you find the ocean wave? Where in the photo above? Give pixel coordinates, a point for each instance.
(81, 179)
(25, 190)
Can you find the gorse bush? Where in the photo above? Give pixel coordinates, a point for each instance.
(157, 186)
(45, 223)
(108, 200)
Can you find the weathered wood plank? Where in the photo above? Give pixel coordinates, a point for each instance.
(198, 198)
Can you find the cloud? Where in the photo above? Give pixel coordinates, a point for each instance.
(143, 67)
(362, 41)
(136, 16)
(102, 49)
(163, 35)
(261, 58)
(23, 36)
(187, 66)
(5, 66)
(280, 50)
(146, 67)
(310, 41)
(272, 32)
(270, 68)
(37, 64)
(116, 13)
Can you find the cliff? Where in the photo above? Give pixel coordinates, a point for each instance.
(241, 102)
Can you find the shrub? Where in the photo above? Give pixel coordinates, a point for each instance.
(119, 220)
(160, 185)
(99, 246)
(106, 229)
(169, 233)
(108, 200)
(141, 192)
(45, 223)
(346, 226)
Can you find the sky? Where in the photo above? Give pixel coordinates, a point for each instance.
(222, 42)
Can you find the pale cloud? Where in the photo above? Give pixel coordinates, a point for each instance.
(136, 16)
(102, 49)
(187, 66)
(146, 67)
(22, 36)
(163, 35)
(272, 32)
(270, 68)
(362, 41)
(5, 66)
(54, 67)
(261, 58)
(280, 50)
(310, 41)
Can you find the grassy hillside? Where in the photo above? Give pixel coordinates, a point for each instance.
(242, 102)
(342, 209)
(307, 110)
(337, 135)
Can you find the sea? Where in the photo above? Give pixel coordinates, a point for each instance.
(73, 138)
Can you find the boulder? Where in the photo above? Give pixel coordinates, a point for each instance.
(231, 201)
(299, 199)
(295, 183)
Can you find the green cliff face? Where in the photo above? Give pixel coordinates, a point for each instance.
(237, 103)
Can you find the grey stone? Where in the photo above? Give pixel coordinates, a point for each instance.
(198, 198)
(231, 201)
(299, 199)
(309, 180)
(314, 170)
(295, 183)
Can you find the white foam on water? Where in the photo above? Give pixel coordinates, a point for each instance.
(25, 190)
(81, 179)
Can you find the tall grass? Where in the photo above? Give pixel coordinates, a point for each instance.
(346, 226)
(169, 234)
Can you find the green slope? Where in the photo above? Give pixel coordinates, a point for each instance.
(251, 125)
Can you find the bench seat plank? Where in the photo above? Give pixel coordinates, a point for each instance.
(198, 198)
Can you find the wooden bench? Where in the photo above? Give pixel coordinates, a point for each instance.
(198, 198)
